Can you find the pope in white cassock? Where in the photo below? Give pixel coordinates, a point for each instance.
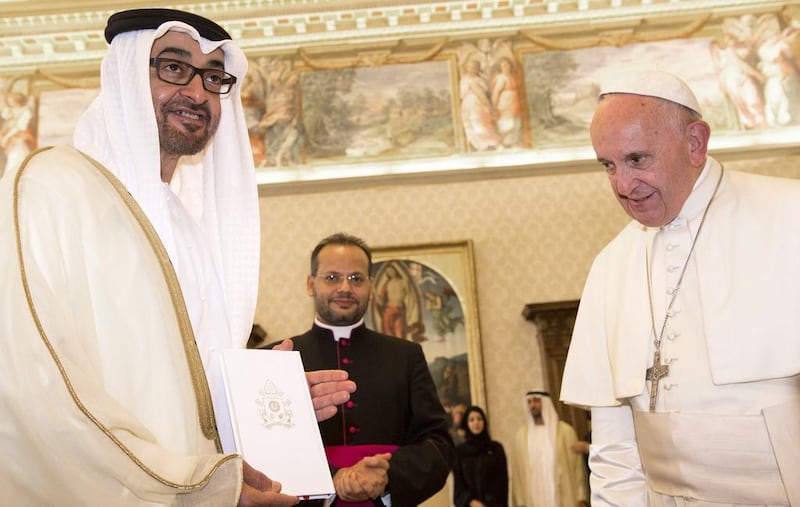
(687, 340)
(127, 263)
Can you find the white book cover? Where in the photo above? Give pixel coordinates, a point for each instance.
(274, 424)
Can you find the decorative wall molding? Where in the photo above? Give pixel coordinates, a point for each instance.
(45, 47)
(34, 36)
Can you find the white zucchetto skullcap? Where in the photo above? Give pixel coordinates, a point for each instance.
(654, 83)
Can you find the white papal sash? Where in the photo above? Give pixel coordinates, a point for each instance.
(714, 458)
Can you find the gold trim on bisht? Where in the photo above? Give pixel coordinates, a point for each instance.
(199, 381)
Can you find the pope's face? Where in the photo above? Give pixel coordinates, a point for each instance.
(187, 115)
(344, 302)
(651, 161)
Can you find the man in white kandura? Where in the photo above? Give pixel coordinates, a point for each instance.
(126, 266)
(687, 340)
(544, 469)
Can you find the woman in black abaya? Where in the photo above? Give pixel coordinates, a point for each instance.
(480, 471)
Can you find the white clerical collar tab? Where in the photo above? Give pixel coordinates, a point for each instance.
(339, 332)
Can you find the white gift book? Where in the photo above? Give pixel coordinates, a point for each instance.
(273, 420)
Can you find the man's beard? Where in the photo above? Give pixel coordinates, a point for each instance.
(178, 142)
(333, 318)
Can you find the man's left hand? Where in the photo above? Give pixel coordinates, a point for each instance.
(365, 480)
(329, 388)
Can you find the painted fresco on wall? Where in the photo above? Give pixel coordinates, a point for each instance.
(507, 102)
(745, 80)
(354, 115)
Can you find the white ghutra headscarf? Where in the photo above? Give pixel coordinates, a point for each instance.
(542, 452)
(217, 186)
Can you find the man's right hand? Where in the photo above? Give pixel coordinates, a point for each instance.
(258, 490)
(329, 388)
(365, 480)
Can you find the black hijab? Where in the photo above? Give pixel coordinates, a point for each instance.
(475, 444)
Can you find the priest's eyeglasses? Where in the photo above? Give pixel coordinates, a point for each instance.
(336, 279)
(181, 73)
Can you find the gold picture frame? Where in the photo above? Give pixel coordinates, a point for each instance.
(427, 293)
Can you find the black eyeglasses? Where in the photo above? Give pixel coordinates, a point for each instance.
(181, 73)
(336, 279)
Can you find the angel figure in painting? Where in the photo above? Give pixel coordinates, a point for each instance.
(490, 97)
(16, 129)
(739, 80)
(505, 100)
(280, 122)
(477, 114)
(253, 94)
(270, 98)
(778, 64)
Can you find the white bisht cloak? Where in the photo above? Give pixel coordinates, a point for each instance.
(103, 399)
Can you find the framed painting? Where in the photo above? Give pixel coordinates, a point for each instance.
(427, 294)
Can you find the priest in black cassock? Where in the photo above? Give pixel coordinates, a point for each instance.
(389, 445)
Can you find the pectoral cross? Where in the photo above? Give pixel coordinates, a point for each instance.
(654, 374)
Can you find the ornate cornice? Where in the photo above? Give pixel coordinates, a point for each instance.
(38, 38)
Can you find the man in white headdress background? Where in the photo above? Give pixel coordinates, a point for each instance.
(544, 469)
(126, 266)
(687, 340)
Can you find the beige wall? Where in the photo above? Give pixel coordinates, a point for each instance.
(534, 240)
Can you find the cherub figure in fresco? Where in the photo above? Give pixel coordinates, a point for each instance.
(16, 129)
(280, 123)
(735, 60)
(490, 99)
(253, 94)
(778, 65)
(505, 86)
(477, 113)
